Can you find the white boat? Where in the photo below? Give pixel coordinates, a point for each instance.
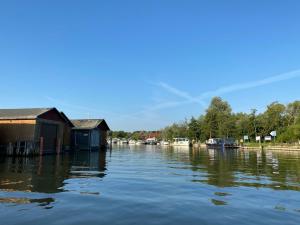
(140, 142)
(123, 142)
(164, 143)
(151, 141)
(132, 142)
(181, 142)
(115, 140)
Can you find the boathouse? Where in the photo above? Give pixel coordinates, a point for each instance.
(35, 131)
(89, 134)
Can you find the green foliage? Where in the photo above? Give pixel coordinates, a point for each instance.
(136, 135)
(175, 130)
(220, 121)
(218, 118)
(194, 129)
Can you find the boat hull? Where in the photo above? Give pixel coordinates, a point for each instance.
(221, 146)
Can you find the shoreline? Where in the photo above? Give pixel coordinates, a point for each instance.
(272, 148)
(262, 147)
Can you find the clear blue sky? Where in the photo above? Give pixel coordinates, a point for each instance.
(145, 64)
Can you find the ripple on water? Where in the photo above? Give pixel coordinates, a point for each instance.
(152, 186)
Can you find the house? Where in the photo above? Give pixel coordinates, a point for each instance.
(34, 131)
(90, 134)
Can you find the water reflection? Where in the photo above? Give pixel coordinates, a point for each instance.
(230, 168)
(48, 174)
(152, 185)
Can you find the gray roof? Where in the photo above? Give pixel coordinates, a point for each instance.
(11, 114)
(88, 123)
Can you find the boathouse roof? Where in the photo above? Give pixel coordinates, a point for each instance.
(67, 119)
(87, 124)
(19, 114)
(33, 114)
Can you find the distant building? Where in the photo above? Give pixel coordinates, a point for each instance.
(89, 134)
(33, 131)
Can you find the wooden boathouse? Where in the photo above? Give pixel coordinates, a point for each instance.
(35, 131)
(89, 134)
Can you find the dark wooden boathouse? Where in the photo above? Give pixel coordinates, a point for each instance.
(35, 131)
(90, 134)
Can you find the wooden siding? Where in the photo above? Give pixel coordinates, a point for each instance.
(40, 135)
(15, 131)
(103, 138)
(53, 115)
(95, 138)
(67, 141)
(17, 122)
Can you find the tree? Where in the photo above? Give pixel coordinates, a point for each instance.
(136, 136)
(243, 125)
(194, 130)
(274, 118)
(292, 112)
(219, 118)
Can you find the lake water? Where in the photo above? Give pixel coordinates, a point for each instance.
(152, 185)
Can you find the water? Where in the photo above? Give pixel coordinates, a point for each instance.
(151, 185)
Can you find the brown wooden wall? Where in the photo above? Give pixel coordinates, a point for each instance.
(16, 130)
(67, 141)
(52, 115)
(59, 137)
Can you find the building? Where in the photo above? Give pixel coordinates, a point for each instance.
(34, 131)
(90, 134)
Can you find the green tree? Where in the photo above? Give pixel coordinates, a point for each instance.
(194, 130)
(243, 127)
(218, 118)
(274, 118)
(292, 112)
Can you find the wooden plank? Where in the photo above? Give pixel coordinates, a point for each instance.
(17, 122)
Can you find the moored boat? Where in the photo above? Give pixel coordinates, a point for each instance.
(123, 142)
(151, 141)
(164, 143)
(132, 142)
(221, 143)
(115, 141)
(140, 142)
(181, 142)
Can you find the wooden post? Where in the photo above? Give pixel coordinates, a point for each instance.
(41, 145)
(58, 146)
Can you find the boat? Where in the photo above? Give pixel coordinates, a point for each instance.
(151, 141)
(140, 142)
(115, 141)
(132, 142)
(123, 142)
(164, 143)
(221, 143)
(181, 142)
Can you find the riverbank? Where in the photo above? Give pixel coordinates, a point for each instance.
(273, 148)
(257, 146)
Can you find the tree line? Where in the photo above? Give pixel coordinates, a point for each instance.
(220, 121)
(135, 135)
